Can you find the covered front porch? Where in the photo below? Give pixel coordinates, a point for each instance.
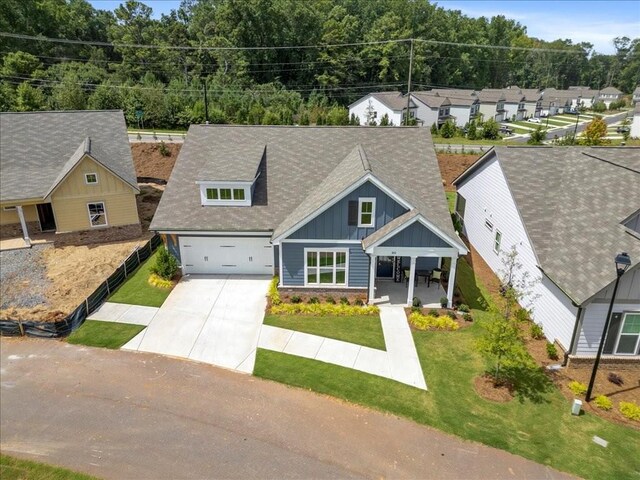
(406, 258)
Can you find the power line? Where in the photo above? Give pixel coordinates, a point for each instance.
(280, 47)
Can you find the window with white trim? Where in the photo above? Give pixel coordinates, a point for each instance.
(366, 212)
(488, 224)
(9, 209)
(225, 194)
(97, 214)
(326, 267)
(629, 334)
(90, 178)
(496, 241)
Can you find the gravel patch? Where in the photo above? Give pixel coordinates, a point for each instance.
(23, 278)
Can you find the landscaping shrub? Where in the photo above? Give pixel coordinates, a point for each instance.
(467, 317)
(522, 315)
(577, 388)
(166, 264)
(536, 331)
(416, 302)
(313, 300)
(344, 301)
(434, 313)
(630, 410)
(463, 308)
(158, 281)
(296, 299)
(603, 402)
(164, 151)
(323, 309)
(358, 302)
(274, 294)
(451, 314)
(443, 302)
(425, 322)
(329, 299)
(552, 351)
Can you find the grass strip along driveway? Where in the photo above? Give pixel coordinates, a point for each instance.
(541, 429)
(95, 333)
(137, 290)
(363, 330)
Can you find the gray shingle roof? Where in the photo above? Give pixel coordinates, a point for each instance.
(298, 162)
(456, 92)
(531, 94)
(490, 95)
(572, 201)
(388, 228)
(394, 100)
(39, 148)
(512, 96)
(432, 100)
(229, 162)
(611, 90)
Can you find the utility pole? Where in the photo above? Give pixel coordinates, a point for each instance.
(406, 122)
(206, 103)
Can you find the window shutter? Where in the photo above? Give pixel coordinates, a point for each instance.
(353, 212)
(612, 335)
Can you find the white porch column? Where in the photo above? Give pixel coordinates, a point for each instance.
(372, 278)
(412, 281)
(23, 224)
(452, 281)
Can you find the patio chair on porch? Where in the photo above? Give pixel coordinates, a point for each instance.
(407, 274)
(436, 276)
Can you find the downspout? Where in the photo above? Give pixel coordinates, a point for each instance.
(576, 326)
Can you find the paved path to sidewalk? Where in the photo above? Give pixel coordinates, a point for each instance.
(124, 313)
(399, 362)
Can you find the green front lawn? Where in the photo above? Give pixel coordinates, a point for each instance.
(12, 468)
(451, 200)
(136, 290)
(443, 142)
(359, 329)
(95, 333)
(542, 430)
(475, 294)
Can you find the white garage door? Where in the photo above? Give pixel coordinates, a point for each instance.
(226, 255)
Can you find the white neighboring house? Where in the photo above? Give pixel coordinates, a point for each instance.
(635, 124)
(464, 104)
(568, 211)
(491, 104)
(532, 102)
(372, 107)
(608, 95)
(432, 108)
(514, 104)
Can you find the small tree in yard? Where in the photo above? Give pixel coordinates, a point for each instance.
(490, 129)
(595, 132)
(537, 136)
(472, 131)
(434, 130)
(384, 121)
(502, 342)
(448, 129)
(166, 264)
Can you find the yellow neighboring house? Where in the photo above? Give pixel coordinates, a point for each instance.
(66, 171)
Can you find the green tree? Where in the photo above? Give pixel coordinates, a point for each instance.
(490, 130)
(384, 121)
(434, 130)
(166, 265)
(448, 129)
(29, 99)
(595, 132)
(537, 136)
(599, 107)
(472, 131)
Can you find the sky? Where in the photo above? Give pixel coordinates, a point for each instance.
(597, 21)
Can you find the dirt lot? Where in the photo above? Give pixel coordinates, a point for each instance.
(149, 161)
(66, 275)
(452, 165)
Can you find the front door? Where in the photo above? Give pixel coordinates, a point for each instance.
(384, 269)
(45, 215)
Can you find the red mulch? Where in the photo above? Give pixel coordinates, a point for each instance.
(150, 163)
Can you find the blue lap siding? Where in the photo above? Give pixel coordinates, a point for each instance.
(293, 263)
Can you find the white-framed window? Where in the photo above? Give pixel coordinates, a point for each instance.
(97, 214)
(367, 212)
(496, 241)
(489, 225)
(326, 267)
(90, 178)
(9, 209)
(225, 194)
(629, 336)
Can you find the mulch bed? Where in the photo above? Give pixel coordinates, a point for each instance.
(452, 165)
(486, 389)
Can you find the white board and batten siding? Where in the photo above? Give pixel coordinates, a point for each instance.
(360, 107)
(226, 255)
(488, 199)
(627, 300)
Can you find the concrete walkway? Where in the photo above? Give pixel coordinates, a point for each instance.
(124, 313)
(399, 362)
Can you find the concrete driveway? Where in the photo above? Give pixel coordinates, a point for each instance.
(214, 319)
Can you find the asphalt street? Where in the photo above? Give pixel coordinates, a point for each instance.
(131, 415)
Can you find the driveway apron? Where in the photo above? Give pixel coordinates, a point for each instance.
(214, 319)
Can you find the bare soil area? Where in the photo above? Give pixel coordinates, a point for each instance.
(484, 387)
(452, 165)
(149, 161)
(150, 194)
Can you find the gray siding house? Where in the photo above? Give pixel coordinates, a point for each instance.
(568, 211)
(325, 208)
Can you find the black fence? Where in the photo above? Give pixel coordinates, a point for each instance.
(62, 328)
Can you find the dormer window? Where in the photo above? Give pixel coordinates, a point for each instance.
(232, 194)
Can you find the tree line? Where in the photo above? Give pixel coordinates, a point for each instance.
(164, 87)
